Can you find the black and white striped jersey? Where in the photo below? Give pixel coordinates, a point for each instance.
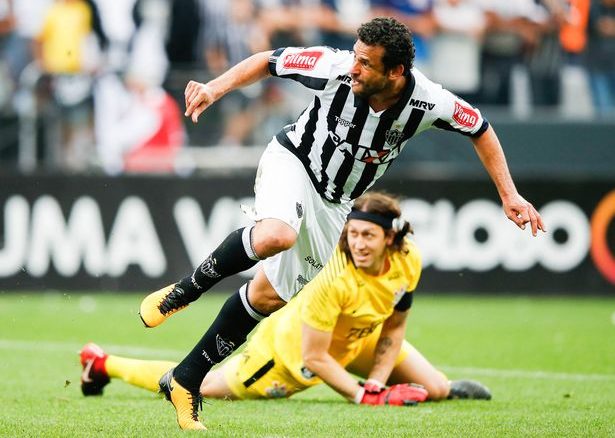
(343, 144)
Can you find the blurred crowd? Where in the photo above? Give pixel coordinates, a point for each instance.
(100, 83)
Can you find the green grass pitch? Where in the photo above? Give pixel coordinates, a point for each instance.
(550, 363)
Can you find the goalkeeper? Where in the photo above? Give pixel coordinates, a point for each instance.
(351, 318)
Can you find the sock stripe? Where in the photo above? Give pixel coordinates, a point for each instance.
(246, 239)
(243, 293)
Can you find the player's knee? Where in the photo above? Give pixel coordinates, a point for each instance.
(262, 296)
(273, 236)
(266, 303)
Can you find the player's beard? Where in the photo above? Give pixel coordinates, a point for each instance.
(369, 89)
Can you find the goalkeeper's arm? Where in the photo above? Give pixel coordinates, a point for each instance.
(316, 357)
(388, 346)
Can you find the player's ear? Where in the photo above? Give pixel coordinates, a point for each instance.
(397, 71)
(390, 237)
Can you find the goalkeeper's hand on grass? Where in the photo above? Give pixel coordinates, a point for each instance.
(405, 394)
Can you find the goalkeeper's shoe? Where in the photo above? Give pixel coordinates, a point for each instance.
(468, 389)
(186, 403)
(94, 377)
(160, 305)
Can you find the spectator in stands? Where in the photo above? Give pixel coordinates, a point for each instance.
(138, 124)
(7, 25)
(339, 19)
(182, 45)
(65, 51)
(24, 22)
(116, 19)
(235, 36)
(455, 50)
(418, 16)
(573, 36)
(601, 59)
(512, 30)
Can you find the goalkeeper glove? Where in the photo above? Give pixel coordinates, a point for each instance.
(405, 394)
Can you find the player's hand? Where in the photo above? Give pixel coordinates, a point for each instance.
(521, 212)
(404, 394)
(198, 98)
(373, 386)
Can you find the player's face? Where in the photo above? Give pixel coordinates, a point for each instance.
(367, 243)
(367, 72)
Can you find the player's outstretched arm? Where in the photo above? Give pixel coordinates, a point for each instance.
(199, 96)
(315, 346)
(388, 346)
(517, 209)
(315, 351)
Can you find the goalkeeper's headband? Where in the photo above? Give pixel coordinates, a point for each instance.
(378, 219)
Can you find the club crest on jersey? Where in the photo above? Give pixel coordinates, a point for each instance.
(393, 136)
(465, 116)
(305, 60)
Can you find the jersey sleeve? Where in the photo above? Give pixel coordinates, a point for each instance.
(322, 300)
(414, 264)
(412, 271)
(459, 116)
(311, 66)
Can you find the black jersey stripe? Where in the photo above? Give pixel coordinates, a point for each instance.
(283, 139)
(353, 137)
(358, 122)
(307, 139)
(313, 83)
(369, 171)
(414, 120)
(273, 60)
(335, 112)
(441, 124)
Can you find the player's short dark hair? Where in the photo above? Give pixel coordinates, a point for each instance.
(384, 205)
(394, 37)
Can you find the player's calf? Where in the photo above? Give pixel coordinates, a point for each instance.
(235, 254)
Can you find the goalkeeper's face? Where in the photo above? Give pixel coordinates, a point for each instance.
(367, 243)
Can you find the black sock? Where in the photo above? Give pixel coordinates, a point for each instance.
(235, 254)
(229, 330)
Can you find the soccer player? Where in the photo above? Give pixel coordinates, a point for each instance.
(367, 104)
(350, 319)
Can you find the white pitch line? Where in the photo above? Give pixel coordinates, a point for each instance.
(527, 374)
(159, 353)
(9, 344)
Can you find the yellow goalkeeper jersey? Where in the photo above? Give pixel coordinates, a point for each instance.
(343, 300)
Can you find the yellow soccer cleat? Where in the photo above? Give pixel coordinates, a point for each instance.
(186, 404)
(159, 305)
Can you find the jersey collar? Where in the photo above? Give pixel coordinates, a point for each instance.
(394, 111)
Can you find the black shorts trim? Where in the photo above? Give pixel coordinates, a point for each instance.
(259, 373)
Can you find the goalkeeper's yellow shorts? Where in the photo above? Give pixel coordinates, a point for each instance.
(255, 373)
